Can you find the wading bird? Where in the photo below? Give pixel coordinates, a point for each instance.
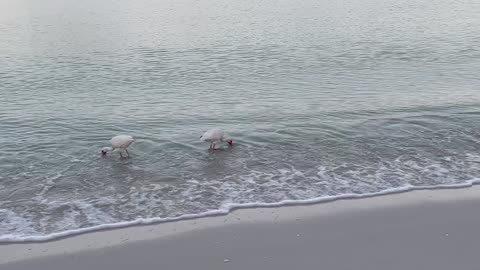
(120, 143)
(214, 136)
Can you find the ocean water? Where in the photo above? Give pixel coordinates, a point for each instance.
(324, 99)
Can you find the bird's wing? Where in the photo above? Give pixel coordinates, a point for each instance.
(212, 135)
(122, 141)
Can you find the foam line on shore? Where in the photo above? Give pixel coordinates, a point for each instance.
(224, 210)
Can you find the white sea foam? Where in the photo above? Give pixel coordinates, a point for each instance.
(224, 209)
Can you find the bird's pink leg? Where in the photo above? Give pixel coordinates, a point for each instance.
(214, 147)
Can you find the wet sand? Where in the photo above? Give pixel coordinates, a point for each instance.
(429, 229)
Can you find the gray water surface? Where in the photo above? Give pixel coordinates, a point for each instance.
(321, 98)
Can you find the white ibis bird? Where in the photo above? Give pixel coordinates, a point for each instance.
(215, 136)
(120, 143)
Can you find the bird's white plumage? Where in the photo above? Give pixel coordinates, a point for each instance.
(121, 141)
(213, 135)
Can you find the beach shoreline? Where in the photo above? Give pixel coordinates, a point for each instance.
(223, 211)
(292, 221)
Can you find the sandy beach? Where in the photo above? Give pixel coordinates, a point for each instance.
(427, 229)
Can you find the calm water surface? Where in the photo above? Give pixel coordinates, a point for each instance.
(322, 99)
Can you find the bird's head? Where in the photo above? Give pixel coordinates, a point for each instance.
(105, 151)
(230, 142)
